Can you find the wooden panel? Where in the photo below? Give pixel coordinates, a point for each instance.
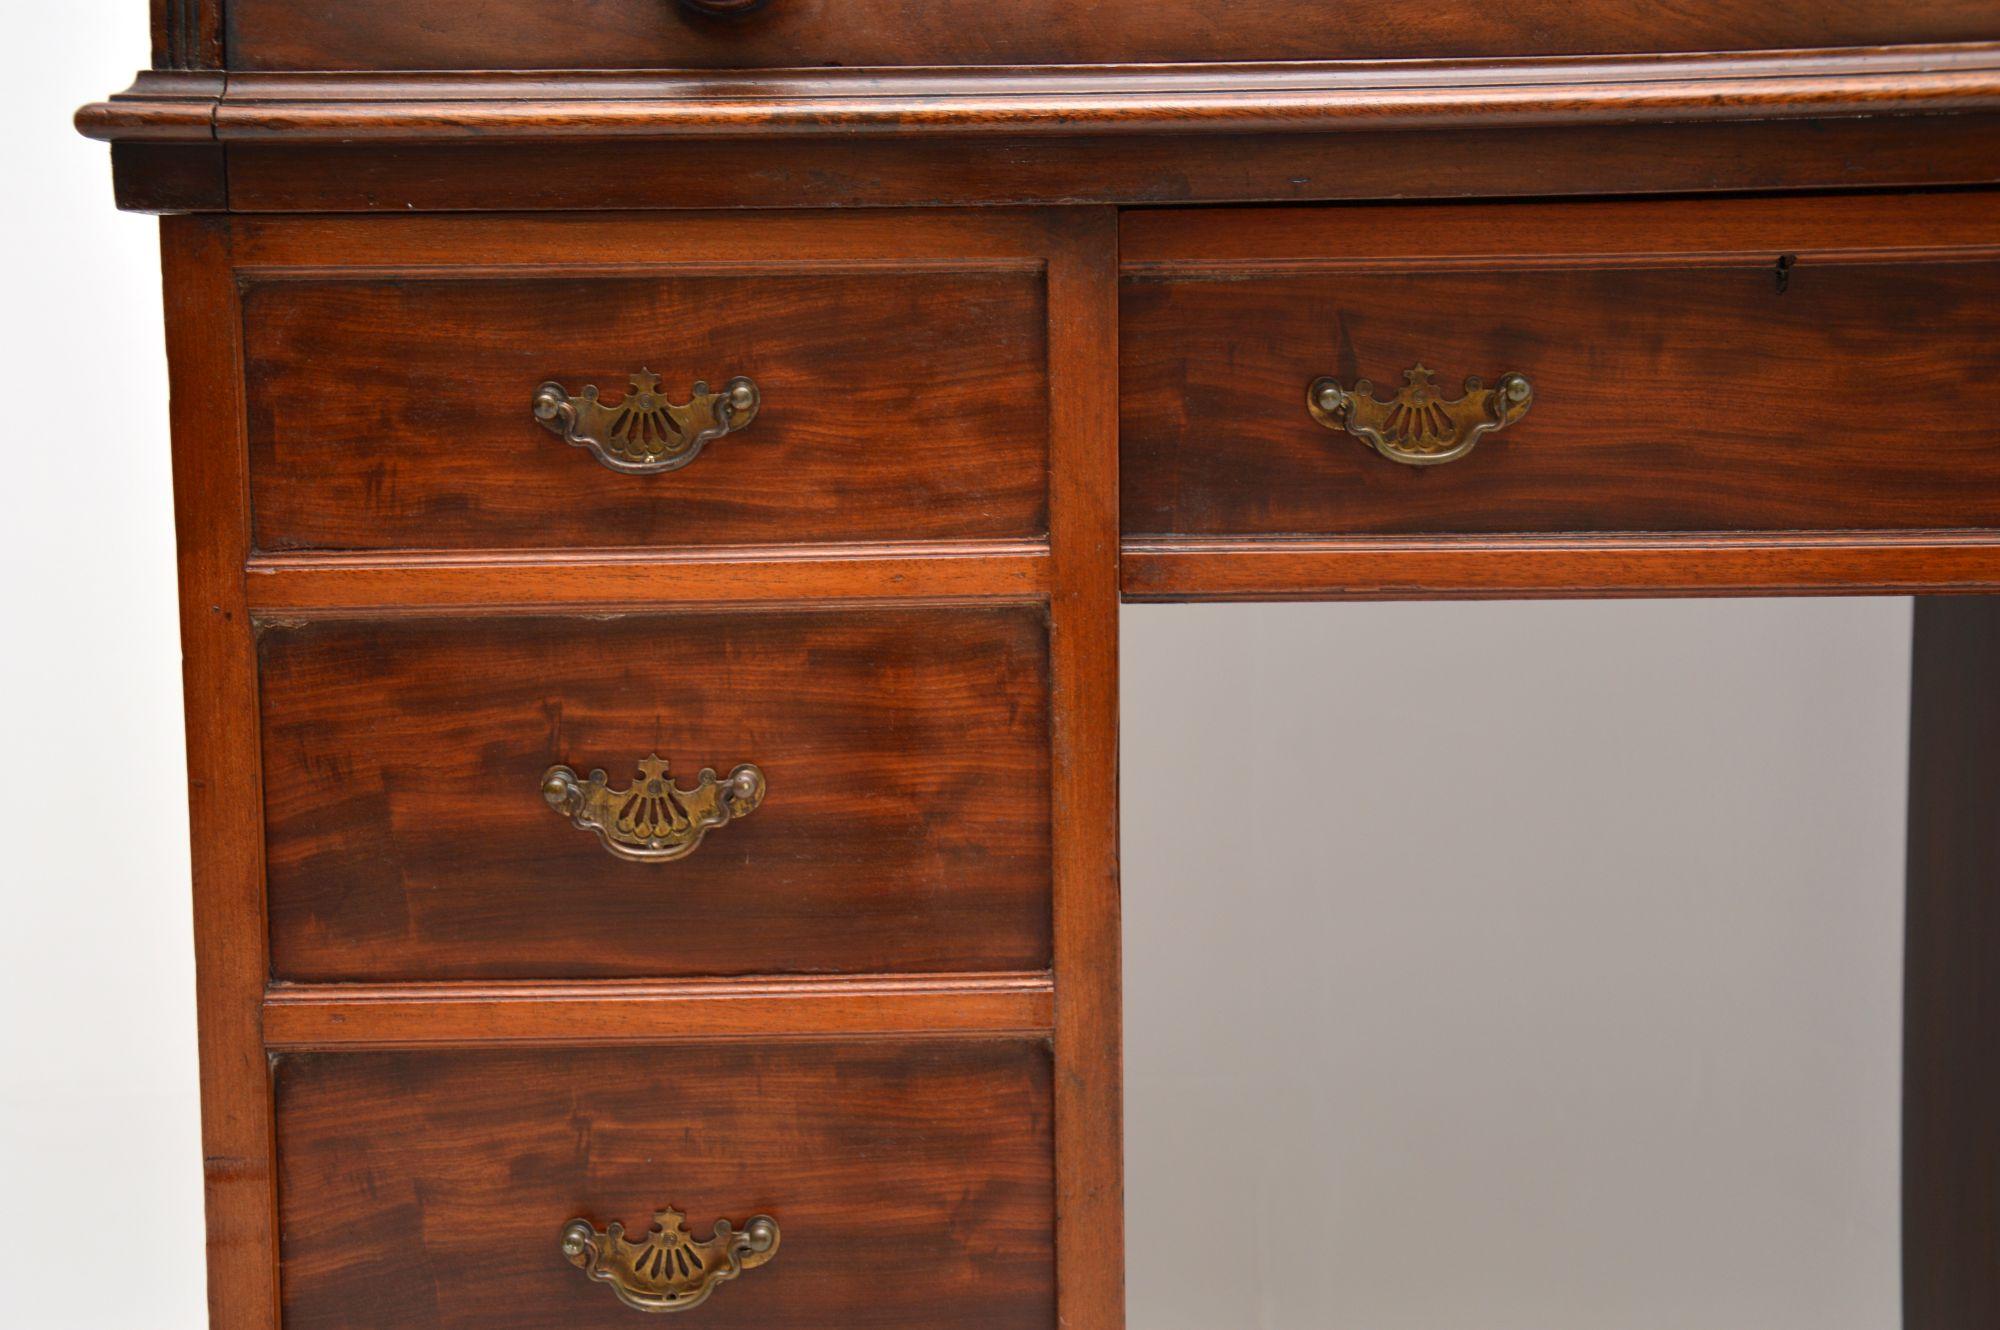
(912, 1182)
(1089, 1025)
(627, 34)
(1059, 100)
(648, 578)
(187, 34)
(1511, 567)
(224, 813)
(849, 241)
(1951, 1005)
(1682, 382)
(170, 177)
(1167, 241)
(348, 1016)
(395, 411)
(1142, 169)
(906, 827)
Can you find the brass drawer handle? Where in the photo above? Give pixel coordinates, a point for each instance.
(669, 1271)
(645, 434)
(653, 820)
(1417, 426)
(724, 8)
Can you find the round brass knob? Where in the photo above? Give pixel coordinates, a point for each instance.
(762, 1235)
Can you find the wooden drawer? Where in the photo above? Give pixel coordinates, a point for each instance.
(631, 34)
(899, 366)
(1739, 366)
(905, 824)
(911, 1183)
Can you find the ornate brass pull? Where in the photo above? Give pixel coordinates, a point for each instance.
(645, 434)
(1417, 426)
(669, 1271)
(653, 821)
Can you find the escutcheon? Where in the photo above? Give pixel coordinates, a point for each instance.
(653, 820)
(644, 434)
(669, 1271)
(1418, 426)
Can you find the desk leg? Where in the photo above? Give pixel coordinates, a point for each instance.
(1951, 1021)
(1083, 539)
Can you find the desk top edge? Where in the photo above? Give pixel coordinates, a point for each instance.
(201, 107)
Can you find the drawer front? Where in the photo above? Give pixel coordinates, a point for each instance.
(902, 756)
(399, 411)
(629, 34)
(911, 1184)
(1691, 366)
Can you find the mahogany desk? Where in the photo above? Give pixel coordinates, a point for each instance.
(655, 481)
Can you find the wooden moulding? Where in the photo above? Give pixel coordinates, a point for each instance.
(187, 34)
(161, 106)
(1238, 98)
(855, 34)
(349, 1016)
(487, 580)
(1537, 567)
(1549, 161)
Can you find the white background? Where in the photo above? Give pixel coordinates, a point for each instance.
(100, 1149)
(1488, 966)
(1514, 967)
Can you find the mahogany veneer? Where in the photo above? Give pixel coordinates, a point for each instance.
(1729, 366)
(632, 34)
(438, 1022)
(904, 385)
(428, 1190)
(906, 825)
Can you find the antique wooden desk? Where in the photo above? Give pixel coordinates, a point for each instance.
(573, 402)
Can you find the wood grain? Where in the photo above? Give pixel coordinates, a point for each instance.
(850, 242)
(187, 34)
(1089, 1041)
(225, 814)
(630, 34)
(885, 1007)
(1137, 169)
(1068, 101)
(1674, 391)
(906, 829)
(1515, 567)
(395, 412)
(374, 1016)
(912, 1182)
(167, 178)
(162, 106)
(1951, 1000)
(1168, 242)
(346, 583)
